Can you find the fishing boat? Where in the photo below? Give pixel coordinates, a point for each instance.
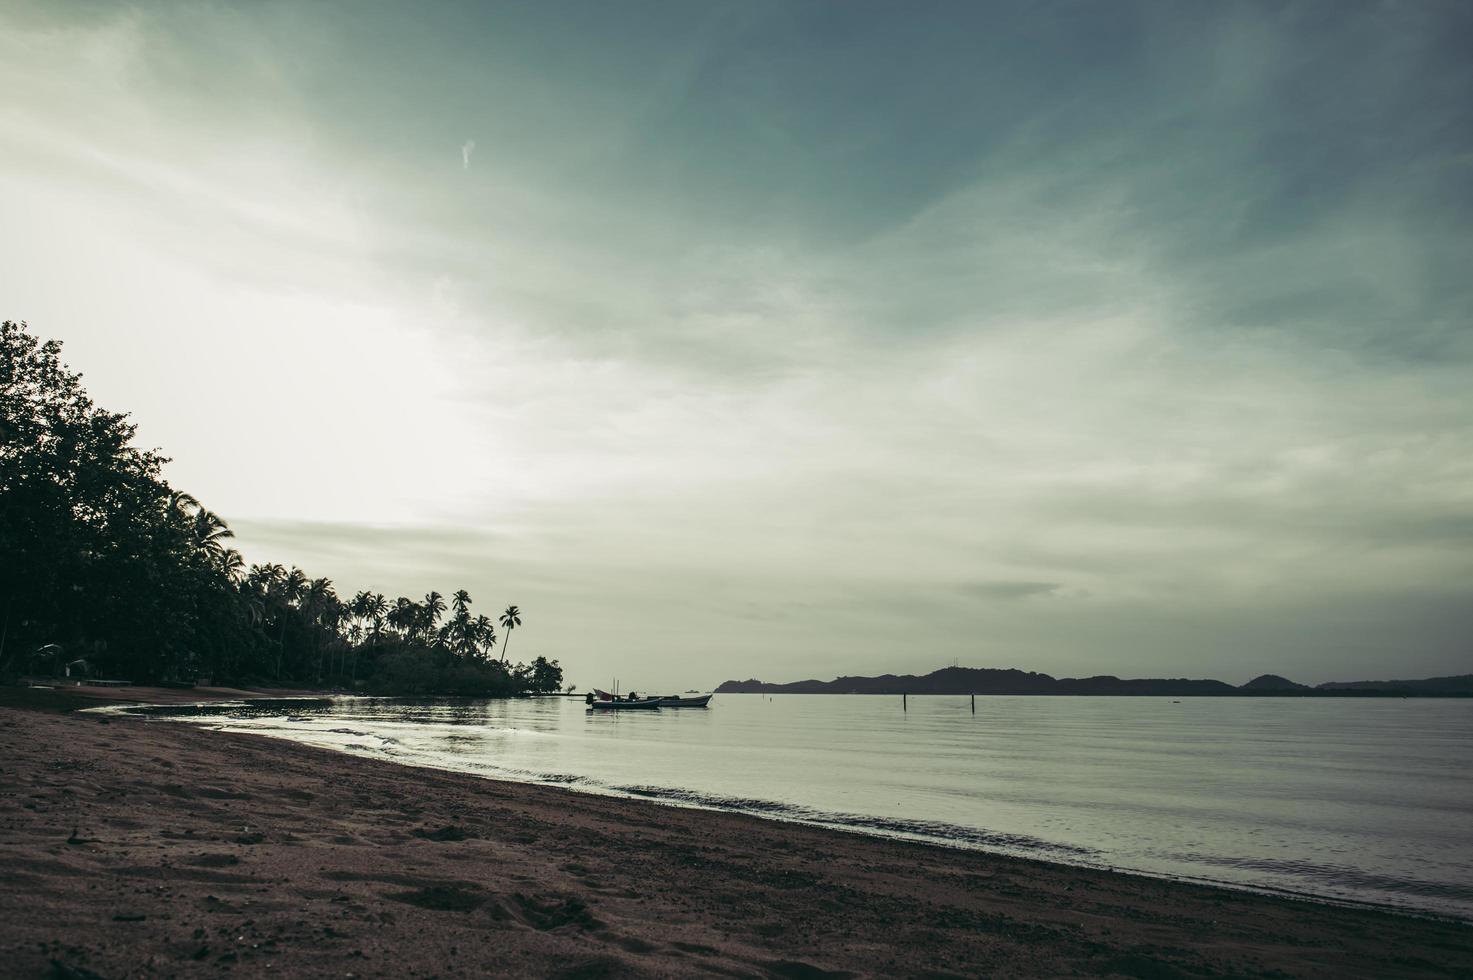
(685, 701)
(604, 701)
(689, 700)
(648, 704)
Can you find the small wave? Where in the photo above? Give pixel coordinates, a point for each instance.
(1339, 875)
(930, 830)
(953, 833)
(233, 709)
(713, 801)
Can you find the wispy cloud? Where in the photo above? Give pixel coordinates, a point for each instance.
(466, 149)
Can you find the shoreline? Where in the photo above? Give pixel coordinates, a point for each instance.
(132, 846)
(951, 836)
(835, 826)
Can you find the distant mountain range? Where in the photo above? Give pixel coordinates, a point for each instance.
(990, 680)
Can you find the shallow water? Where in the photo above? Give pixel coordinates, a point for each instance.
(1363, 800)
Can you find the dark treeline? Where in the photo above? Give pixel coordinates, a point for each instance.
(102, 561)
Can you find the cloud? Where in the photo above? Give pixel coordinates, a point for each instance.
(1009, 590)
(759, 347)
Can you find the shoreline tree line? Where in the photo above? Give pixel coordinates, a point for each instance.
(102, 561)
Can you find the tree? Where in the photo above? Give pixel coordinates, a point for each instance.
(510, 620)
(434, 605)
(210, 532)
(232, 565)
(101, 556)
(377, 607)
(92, 558)
(404, 616)
(483, 634)
(318, 605)
(546, 675)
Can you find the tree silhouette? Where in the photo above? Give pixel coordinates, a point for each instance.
(510, 620)
(434, 605)
(484, 633)
(101, 556)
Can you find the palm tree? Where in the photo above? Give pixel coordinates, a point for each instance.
(358, 605)
(434, 605)
(318, 602)
(255, 611)
(266, 583)
(209, 532)
(180, 508)
(355, 637)
(315, 595)
(289, 589)
(233, 565)
(262, 579)
(483, 634)
(403, 616)
(461, 603)
(377, 606)
(510, 620)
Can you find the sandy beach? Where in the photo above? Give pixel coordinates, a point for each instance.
(136, 847)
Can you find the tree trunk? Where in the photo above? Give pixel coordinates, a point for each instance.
(4, 634)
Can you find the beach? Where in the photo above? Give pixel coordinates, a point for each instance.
(139, 847)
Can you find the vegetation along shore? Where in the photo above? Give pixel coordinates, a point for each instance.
(111, 571)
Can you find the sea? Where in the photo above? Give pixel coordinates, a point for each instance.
(1358, 800)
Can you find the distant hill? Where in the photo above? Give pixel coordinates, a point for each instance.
(993, 680)
(1273, 682)
(1460, 684)
(981, 680)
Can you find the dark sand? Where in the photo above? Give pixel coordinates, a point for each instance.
(135, 848)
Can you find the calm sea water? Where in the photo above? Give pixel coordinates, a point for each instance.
(1356, 799)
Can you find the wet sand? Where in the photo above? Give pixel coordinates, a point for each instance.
(138, 848)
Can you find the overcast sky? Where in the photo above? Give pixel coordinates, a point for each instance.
(790, 340)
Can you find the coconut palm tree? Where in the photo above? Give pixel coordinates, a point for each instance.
(377, 606)
(355, 637)
(265, 584)
(434, 605)
(288, 596)
(233, 565)
(255, 610)
(510, 620)
(317, 605)
(403, 616)
(262, 579)
(461, 602)
(358, 605)
(209, 532)
(294, 584)
(181, 504)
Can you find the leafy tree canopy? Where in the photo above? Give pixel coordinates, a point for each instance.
(100, 559)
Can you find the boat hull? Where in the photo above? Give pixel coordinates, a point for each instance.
(650, 705)
(700, 701)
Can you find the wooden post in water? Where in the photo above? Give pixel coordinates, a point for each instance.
(974, 702)
(903, 705)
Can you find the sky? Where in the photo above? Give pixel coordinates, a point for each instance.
(790, 340)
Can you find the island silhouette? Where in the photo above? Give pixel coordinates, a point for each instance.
(1009, 680)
